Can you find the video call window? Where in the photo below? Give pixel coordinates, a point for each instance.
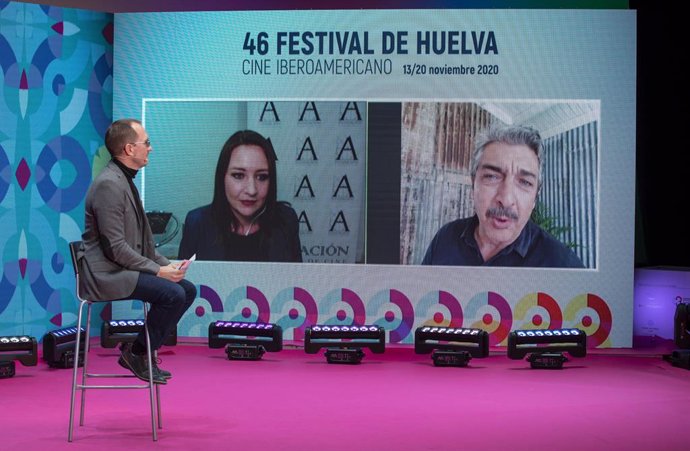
(320, 151)
(436, 142)
(373, 182)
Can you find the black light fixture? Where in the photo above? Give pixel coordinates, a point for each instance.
(344, 343)
(158, 220)
(546, 348)
(245, 340)
(681, 336)
(58, 347)
(451, 346)
(118, 331)
(19, 347)
(679, 358)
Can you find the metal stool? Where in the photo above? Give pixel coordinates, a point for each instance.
(153, 388)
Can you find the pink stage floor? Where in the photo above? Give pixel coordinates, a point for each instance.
(394, 401)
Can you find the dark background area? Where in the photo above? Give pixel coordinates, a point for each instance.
(383, 182)
(662, 233)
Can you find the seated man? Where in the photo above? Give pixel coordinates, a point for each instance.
(506, 177)
(119, 259)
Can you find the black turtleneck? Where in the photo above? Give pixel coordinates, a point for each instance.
(129, 175)
(129, 172)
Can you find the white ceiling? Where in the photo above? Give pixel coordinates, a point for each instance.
(549, 117)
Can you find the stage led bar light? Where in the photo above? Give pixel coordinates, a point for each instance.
(22, 348)
(118, 331)
(58, 347)
(451, 339)
(245, 340)
(344, 342)
(546, 347)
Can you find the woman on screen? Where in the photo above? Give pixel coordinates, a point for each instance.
(245, 221)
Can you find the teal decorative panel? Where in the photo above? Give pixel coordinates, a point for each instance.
(55, 104)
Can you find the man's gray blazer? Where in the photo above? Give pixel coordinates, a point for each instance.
(118, 243)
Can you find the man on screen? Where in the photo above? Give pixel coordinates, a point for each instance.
(506, 177)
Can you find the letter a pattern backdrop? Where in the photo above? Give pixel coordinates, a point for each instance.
(322, 162)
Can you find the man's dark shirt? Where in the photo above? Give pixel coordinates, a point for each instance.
(454, 244)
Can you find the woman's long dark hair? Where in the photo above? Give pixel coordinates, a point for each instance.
(220, 206)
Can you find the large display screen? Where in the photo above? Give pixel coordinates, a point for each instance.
(374, 118)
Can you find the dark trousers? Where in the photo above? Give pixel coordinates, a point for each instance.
(168, 300)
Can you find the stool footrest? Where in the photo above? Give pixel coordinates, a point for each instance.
(84, 387)
(110, 375)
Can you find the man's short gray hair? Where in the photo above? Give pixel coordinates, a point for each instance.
(507, 134)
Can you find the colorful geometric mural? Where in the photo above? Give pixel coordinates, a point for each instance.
(56, 103)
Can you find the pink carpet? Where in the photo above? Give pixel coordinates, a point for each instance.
(394, 401)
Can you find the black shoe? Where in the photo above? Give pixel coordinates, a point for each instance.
(138, 365)
(121, 361)
(156, 369)
(163, 373)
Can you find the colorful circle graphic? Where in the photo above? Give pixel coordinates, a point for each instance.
(538, 311)
(296, 309)
(398, 314)
(343, 307)
(590, 313)
(209, 294)
(492, 313)
(439, 308)
(249, 303)
(54, 155)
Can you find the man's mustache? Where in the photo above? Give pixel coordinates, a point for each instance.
(501, 212)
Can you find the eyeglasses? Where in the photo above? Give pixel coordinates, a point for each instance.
(147, 143)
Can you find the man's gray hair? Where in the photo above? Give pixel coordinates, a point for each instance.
(507, 134)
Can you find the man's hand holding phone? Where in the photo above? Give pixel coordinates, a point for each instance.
(185, 263)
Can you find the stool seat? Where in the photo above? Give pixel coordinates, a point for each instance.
(82, 382)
